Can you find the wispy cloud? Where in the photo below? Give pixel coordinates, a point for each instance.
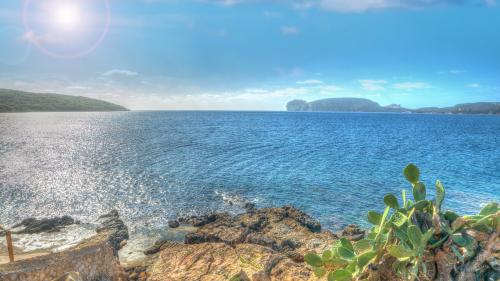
(309, 82)
(411, 86)
(290, 30)
(122, 72)
(373, 85)
(357, 6)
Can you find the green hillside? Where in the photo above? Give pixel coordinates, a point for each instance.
(18, 101)
(366, 105)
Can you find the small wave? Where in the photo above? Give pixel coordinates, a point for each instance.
(56, 241)
(234, 199)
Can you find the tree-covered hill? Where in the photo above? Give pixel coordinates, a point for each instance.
(366, 105)
(18, 101)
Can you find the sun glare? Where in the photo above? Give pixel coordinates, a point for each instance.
(66, 28)
(66, 16)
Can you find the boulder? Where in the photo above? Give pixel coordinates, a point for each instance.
(282, 229)
(173, 223)
(219, 261)
(353, 232)
(33, 225)
(111, 225)
(157, 246)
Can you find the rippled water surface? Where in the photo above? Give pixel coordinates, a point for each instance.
(153, 166)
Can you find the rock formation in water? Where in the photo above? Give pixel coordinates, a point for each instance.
(366, 105)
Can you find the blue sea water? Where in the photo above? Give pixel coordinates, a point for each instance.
(153, 166)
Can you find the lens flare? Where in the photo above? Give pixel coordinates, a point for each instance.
(66, 29)
(67, 16)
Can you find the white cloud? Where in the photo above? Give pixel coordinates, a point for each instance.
(290, 30)
(309, 82)
(164, 92)
(355, 6)
(411, 86)
(373, 85)
(346, 6)
(124, 72)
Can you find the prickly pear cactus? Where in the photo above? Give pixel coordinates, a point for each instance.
(415, 240)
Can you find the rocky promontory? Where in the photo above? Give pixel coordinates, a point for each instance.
(267, 244)
(260, 244)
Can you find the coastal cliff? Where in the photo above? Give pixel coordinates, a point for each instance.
(366, 105)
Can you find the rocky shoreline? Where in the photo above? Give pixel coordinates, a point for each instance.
(257, 245)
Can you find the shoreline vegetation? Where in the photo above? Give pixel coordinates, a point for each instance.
(19, 101)
(366, 105)
(413, 239)
(14, 101)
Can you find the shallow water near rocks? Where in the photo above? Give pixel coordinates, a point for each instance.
(155, 166)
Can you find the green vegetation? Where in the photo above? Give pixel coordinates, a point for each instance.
(416, 240)
(366, 105)
(17, 101)
(340, 105)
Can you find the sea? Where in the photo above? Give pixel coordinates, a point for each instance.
(153, 166)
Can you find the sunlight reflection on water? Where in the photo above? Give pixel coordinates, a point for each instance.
(153, 166)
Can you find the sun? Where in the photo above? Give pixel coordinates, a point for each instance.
(66, 28)
(66, 16)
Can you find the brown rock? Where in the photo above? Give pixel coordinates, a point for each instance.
(281, 229)
(353, 232)
(219, 261)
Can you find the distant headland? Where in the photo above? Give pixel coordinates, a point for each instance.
(19, 101)
(366, 105)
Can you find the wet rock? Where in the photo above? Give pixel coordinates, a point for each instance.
(194, 238)
(353, 232)
(173, 223)
(303, 218)
(115, 228)
(249, 207)
(280, 229)
(33, 226)
(202, 220)
(217, 232)
(156, 247)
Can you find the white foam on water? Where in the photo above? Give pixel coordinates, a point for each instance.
(68, 237)
(139, 241)
(233, 199)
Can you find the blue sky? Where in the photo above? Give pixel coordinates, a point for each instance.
(251, 54)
